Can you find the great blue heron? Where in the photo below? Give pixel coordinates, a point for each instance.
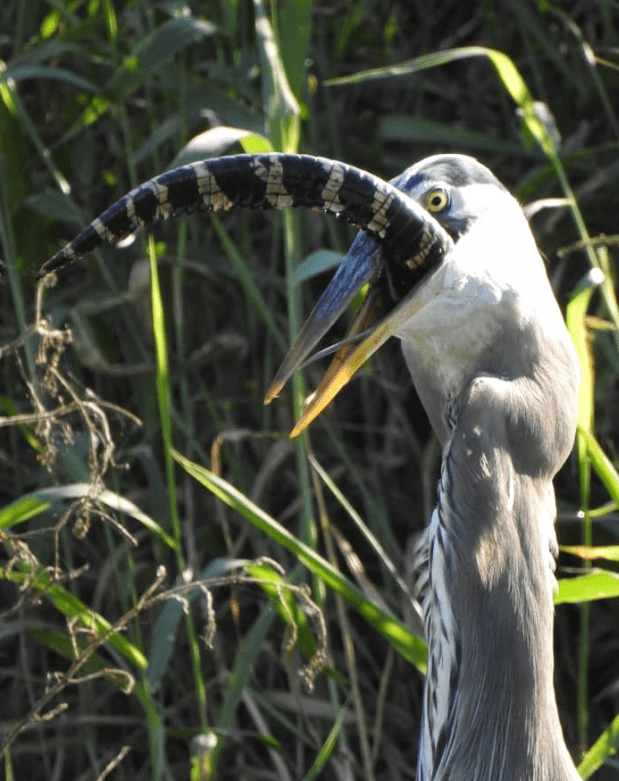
(497, 374)
(495, 369)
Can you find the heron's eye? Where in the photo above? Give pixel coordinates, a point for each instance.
(437, 200)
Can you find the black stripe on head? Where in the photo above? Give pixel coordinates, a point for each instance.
(454, 170)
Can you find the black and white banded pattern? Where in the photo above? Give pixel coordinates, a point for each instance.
(271, 181)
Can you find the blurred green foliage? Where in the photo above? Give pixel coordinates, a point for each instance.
(94, 98)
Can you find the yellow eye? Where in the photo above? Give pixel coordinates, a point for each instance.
(437, 200)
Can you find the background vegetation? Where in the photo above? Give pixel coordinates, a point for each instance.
(114, 663)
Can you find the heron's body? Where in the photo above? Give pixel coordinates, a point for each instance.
(497, 373)
(495, 369)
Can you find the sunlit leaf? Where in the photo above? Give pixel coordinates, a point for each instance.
(589, 553)
(602, 464)
(586, 588)
(217, 141)
(39, 501)
(604, 747)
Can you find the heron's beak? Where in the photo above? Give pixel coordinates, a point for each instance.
(362, 266)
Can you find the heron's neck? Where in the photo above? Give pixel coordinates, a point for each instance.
(489, 704)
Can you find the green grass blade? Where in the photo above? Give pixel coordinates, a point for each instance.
(286, 603)
(295, 24)
(281, 109)
(73, 608)
(602, 464)
(604, 747)
(164, 398)
(504, 66)
(327, 747)
(19, 72)
(240, 675)
(254, 296)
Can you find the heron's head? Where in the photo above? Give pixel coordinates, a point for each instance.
(455, 189)
(477, 210)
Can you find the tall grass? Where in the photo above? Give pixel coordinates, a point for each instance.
(185, 591)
